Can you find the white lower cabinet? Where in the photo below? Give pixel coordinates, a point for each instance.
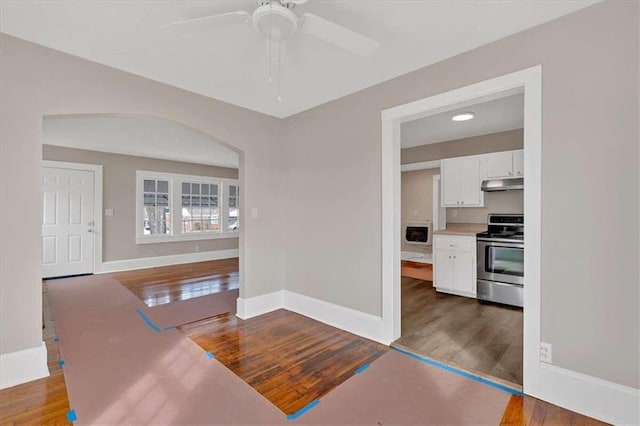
(454, 266)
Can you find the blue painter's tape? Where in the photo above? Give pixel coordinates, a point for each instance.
(460, 372)
(362, 368)
(303, 410)
(60, 363)
(210, 355)
(71, 416)
(148, 321)
(56, 339)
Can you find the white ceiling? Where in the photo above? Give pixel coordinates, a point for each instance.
(494, 116)
(140, 136)
(229, 61)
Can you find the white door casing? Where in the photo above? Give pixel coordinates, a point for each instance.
(528, 81)
(67, 222)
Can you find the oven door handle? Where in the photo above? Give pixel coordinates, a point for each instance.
(499, 244)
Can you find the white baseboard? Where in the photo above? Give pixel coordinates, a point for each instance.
(23, 366)
(176, 259)
(593, 397)
(355, 322)
(359, 323)
(603, 400)
(259, 305)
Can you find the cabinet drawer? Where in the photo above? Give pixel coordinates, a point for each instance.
(454, 243)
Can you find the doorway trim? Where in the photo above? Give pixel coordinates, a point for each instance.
(97, 203)
(528, 81)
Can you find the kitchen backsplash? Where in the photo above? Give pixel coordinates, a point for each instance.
(494, 202)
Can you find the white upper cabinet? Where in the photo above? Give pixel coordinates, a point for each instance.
(502, 165)
(518, 163)
(461, 182)
(498, 165)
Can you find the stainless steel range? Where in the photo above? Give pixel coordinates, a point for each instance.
(501, 260)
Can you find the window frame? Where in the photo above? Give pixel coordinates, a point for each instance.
(175, 207)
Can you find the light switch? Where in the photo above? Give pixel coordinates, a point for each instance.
(254, 212)
(108, 212)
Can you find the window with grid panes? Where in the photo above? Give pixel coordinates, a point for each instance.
(234, 208)
(176, 207)
(200, 207)
(157, 210)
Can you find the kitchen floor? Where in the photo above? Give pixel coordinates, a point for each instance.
(485, 339)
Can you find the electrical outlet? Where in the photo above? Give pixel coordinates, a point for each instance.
(108, 212)
(454, 213)
(197, 248)
(254, 212)
(545, 352)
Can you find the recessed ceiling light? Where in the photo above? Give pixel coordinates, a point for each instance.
(463, 116)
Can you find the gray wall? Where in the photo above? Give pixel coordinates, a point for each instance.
(494, 142)
(589, 185)
(327, 160)
(36, 82)
(416, 200)
(119, 194)
(494, 202)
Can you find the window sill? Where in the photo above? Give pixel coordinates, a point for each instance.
(184, 237)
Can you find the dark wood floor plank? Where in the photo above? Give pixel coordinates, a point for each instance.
(42, 401)
(168, 284)
(288, 358)
(482, 338)
(528, 411)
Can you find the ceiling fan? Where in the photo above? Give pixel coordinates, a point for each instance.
(275, 20)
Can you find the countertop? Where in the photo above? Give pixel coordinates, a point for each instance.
(469, 229)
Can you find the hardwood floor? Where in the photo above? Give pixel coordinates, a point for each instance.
(533, 412)
(486, 339)
(167, 284)
(42, 401)
(417, 270)
(290, 359)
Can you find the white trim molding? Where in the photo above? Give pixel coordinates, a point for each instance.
(435, 164)
(528, 81)
(176, 259)
(97, 203)
(23, 366)
(603, 400)
(258, 305)
(355, 322)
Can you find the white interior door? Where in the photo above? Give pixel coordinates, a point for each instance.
(67, 222)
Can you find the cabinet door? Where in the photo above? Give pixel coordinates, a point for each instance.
(451, 182)
(518, 163)
(443, 269)
(470, 194)
(498, 165)
(463, 276)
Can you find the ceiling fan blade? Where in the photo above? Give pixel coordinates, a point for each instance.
(338, 35)
(205, 20)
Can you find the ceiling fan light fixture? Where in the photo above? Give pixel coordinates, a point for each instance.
(274, 22)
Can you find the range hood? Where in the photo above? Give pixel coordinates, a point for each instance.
(491, 185)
